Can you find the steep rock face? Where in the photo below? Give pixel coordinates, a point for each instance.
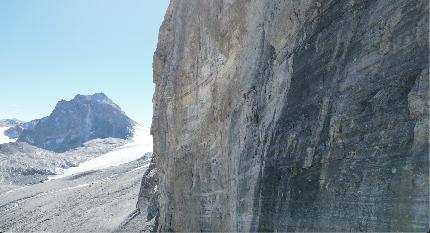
(292, 116)
(76, 121)
(148, 197)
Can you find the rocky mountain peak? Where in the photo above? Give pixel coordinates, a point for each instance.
(97, 98)
(81, 119)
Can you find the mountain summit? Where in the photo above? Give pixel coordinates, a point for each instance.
(81, 119)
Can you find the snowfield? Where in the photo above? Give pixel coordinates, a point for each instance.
(4, 138)
(140, 144)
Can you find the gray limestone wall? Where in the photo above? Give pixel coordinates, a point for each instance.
(292, 115)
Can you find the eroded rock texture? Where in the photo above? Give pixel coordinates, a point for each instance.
(74, 122)
(145, 217)
(292, 115)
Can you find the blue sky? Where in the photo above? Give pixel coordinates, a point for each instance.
(55, 49)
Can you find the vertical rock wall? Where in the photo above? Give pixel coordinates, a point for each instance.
(292, 115)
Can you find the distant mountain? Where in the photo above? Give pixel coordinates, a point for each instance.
(14, 132)
(12, 128)
(10, 122)
(79, 120)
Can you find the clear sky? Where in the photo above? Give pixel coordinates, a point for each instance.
(55, 49)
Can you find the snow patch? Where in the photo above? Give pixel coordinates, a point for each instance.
(141, 143)
(3, 137)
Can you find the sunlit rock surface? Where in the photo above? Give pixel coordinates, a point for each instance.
(77, 121)
(292, 116)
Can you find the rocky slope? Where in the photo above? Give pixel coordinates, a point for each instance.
(76, 121)
(14, 132)
(94, 201)
(292, 116)
(145, 217)
(10, 129)
(15, 127)
(23, 164)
